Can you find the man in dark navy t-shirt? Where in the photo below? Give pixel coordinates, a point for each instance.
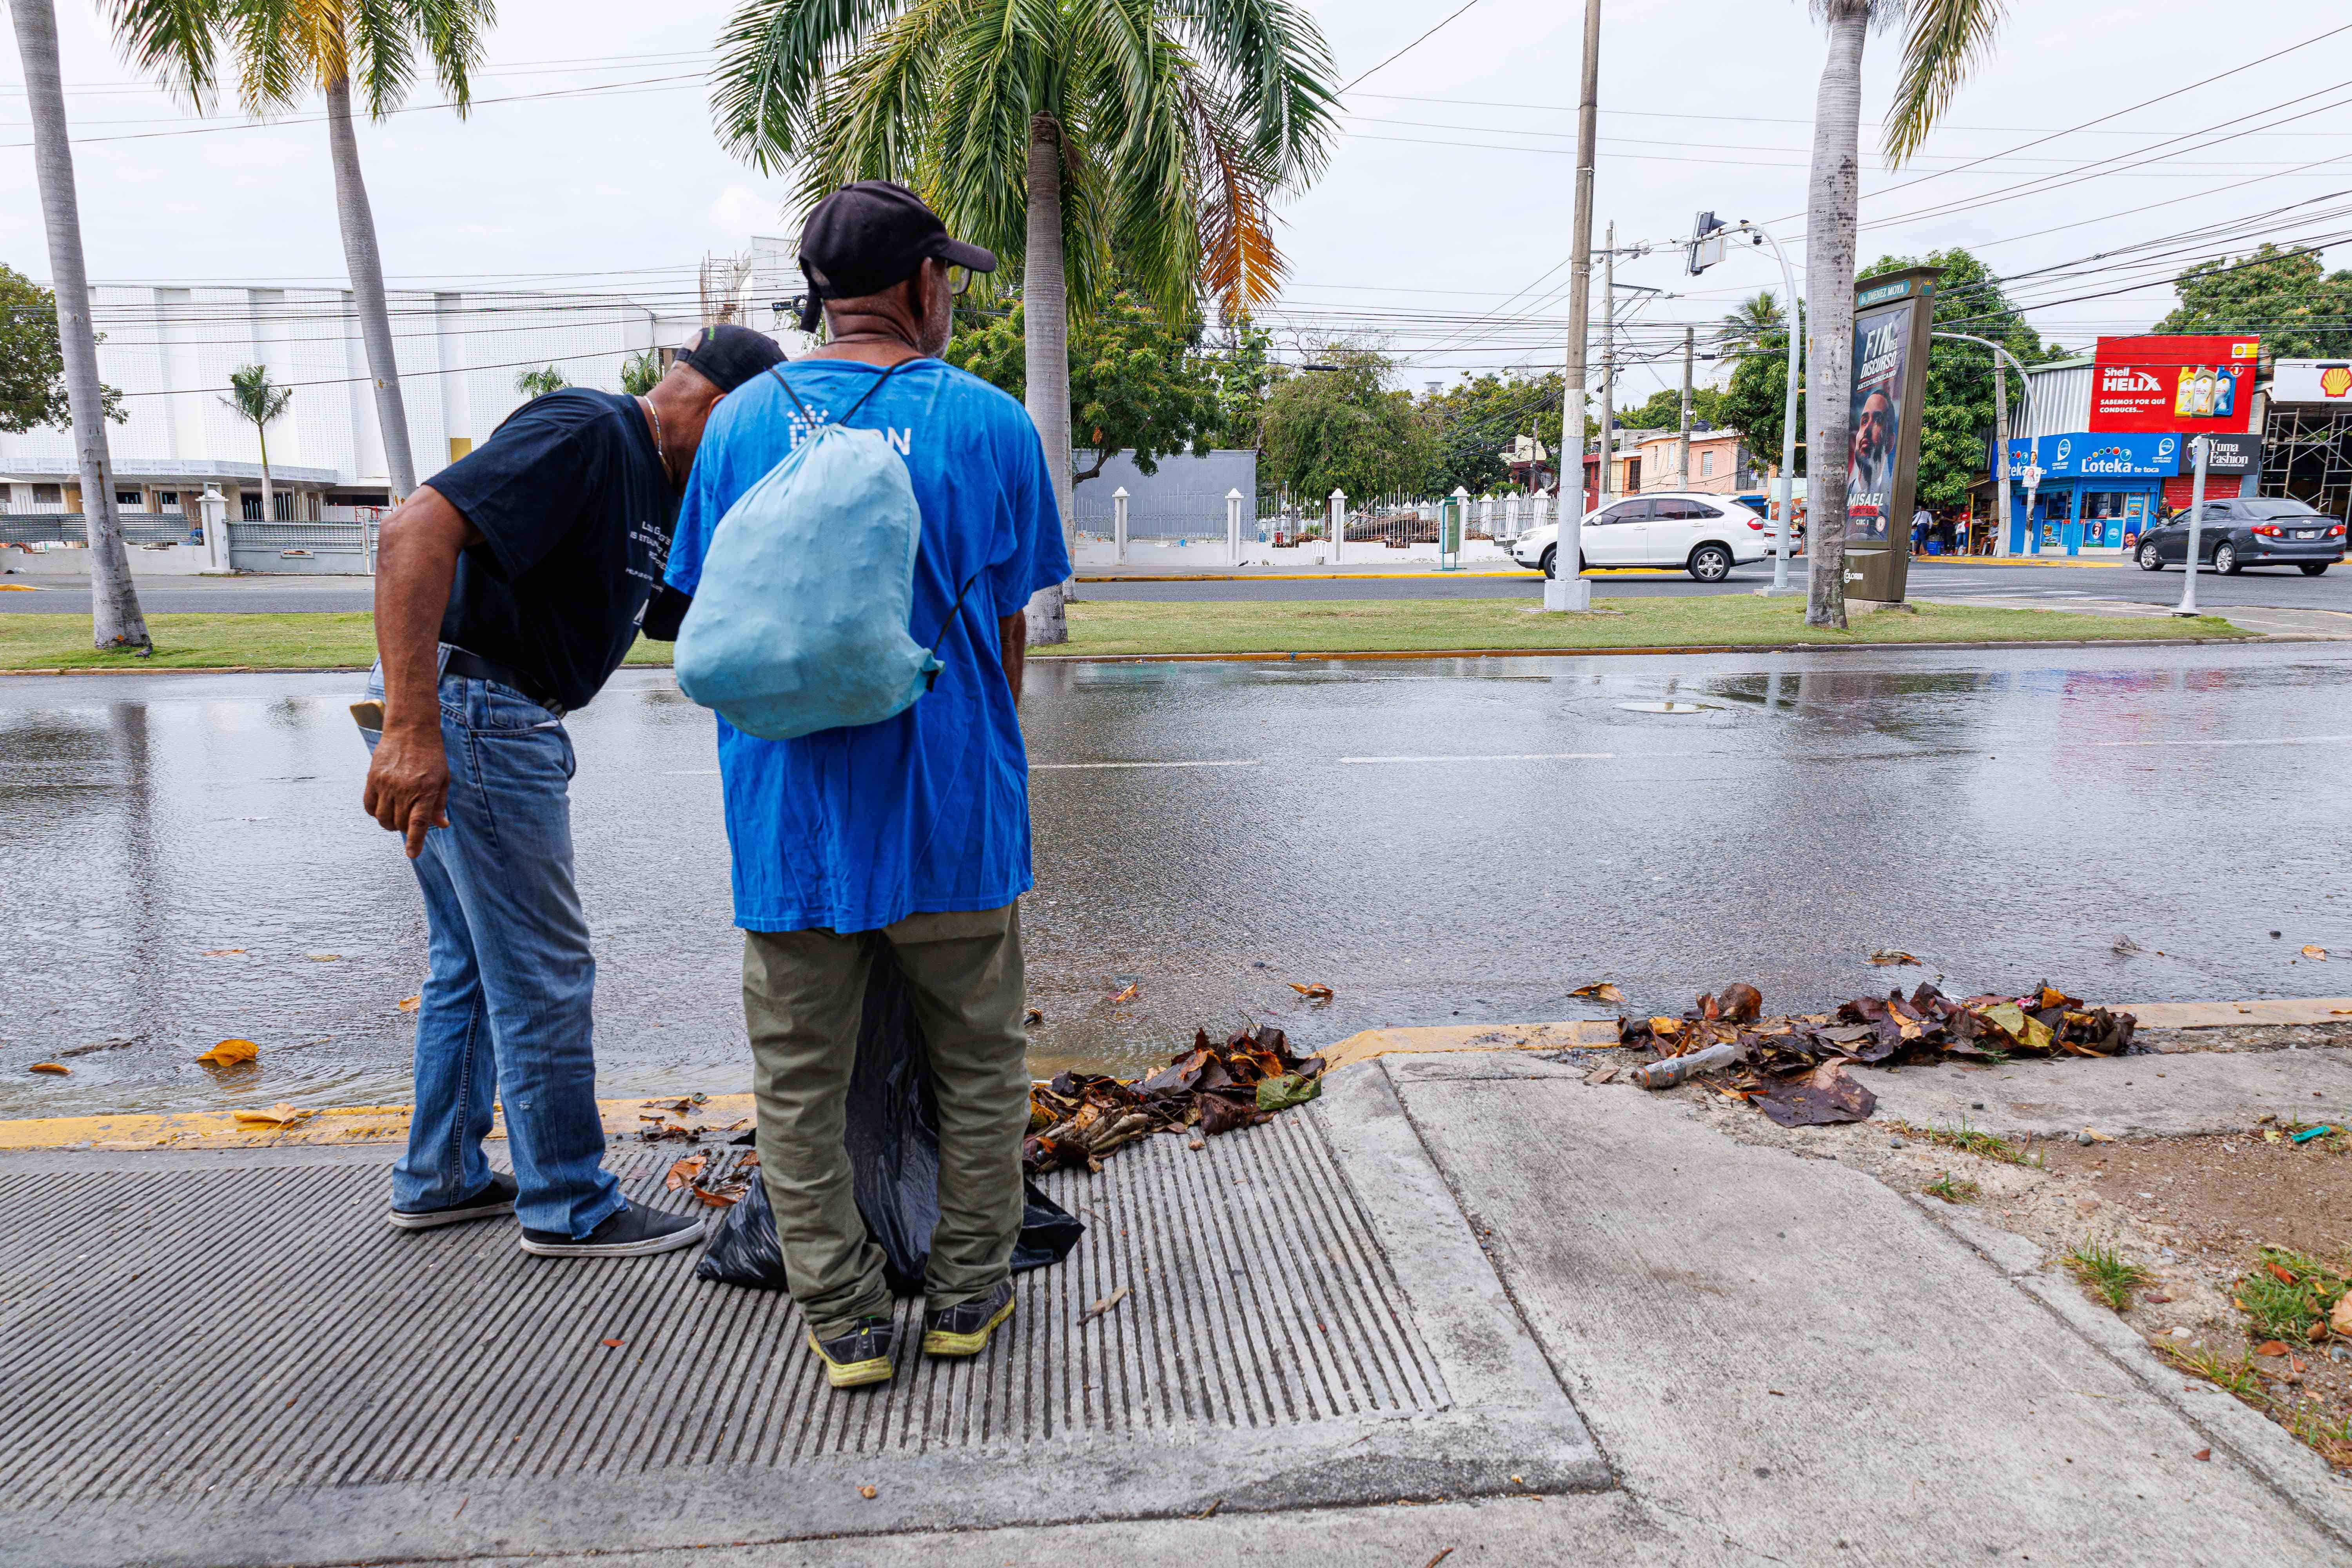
(508, 588)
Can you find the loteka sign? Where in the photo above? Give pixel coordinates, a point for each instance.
(2183, 384)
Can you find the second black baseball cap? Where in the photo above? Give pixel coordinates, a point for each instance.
(728, 355)
(868, 236)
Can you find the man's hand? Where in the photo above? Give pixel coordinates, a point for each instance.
(408, 784)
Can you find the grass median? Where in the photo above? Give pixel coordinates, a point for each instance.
(347, 640)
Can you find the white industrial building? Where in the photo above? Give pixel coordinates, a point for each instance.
(170, 350)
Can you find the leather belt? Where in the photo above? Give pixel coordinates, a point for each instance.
(473, 667)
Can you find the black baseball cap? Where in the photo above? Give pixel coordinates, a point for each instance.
(868, 236)
(728, 355)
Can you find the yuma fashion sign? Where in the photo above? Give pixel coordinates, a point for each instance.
(2179, 384)
(2099, 457)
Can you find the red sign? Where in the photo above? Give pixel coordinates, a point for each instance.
(2170, 384)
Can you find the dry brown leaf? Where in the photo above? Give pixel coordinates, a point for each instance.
(409, 1003)
(2317, 1333)
(2270, 1347)
(2340, 1319)
(228, 1053)
(717, 1199)
(1601, 991)
(1134, 989)
(57, 1067)
(2097, 1137)
(683, 1171)
(2282, 1276)
(1032, 1016)
(1888, 956)
(867, 1492)
(223, 952)
(278, 1115)
(1315, 993)
(2202, 1454)
(2314, 953)
(1108, 1302)
(612, 1344)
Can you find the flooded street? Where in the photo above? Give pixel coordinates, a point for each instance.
(182, 858)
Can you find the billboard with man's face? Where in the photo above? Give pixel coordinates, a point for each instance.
(1882, 343)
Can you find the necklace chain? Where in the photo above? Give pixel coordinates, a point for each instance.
(660, 451)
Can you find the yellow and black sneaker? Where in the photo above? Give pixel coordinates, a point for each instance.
(858, 1357)
(963, 1329)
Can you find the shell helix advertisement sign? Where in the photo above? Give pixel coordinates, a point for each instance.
(1893, 314)
(2179, 384)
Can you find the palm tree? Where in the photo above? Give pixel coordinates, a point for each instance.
(285, 47)
(116, 620)
(542, 380)
(1757, 321)
(1944, 39)
(641, 372)
(1059, 133)
(255, 399)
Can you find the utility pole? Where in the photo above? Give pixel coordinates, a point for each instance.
(1609, 367)
(1682, 460)
(1568, 590)
(2001, 455)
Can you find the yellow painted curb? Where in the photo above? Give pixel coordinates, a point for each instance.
(337, 1125)
(2225, 1014)
(1582, 1033)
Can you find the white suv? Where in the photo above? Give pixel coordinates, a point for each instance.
(1705, 535)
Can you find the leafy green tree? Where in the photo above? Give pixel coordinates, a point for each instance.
(1473, 421)
(641, 372)
(2301, 309)
(32, 363)
(259, 401)
(1058, 134)
(1759, 316)
(1664, 411)
(1136, 382)
(541, 380)
(1345, 428)
(1757, 395)
(1241, 359)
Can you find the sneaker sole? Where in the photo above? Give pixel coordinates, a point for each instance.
(851, 1373)
(645, 1249)
(939, 1342)
(437, 1217)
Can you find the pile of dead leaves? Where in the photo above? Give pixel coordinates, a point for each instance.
(717, 1179)
(1079, 1117)
(1793, 1067)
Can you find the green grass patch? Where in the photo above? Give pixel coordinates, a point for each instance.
(2238, 1376)
(1953, 1189)
(1968, 1140)
(1728, 620)
(2286, 1292)
(307, 640)
(2105, 1275)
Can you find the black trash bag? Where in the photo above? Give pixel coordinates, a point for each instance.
(893, 1139)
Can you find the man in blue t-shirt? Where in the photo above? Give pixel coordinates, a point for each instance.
(507, 589)
(913, 831)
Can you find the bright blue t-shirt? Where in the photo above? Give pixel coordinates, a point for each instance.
(852, 829)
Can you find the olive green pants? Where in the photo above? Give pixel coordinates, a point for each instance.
(803, 994)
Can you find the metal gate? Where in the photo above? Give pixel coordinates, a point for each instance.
(330, 547)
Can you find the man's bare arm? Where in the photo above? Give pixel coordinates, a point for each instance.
(416, 562)
(1013, 644)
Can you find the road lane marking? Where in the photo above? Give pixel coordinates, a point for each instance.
(1501, 757)
(1227, 762)
(2274, 741)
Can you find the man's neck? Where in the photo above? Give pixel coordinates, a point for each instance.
(868, 340)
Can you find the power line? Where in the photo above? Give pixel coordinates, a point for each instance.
(1392, 59)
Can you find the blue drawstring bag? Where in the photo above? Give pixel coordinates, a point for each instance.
(802, 621)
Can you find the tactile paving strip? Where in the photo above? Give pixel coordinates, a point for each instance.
(171, 1331)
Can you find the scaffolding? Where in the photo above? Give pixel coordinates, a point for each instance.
(2307, 454)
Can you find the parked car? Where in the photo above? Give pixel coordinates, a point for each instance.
(2268, 530)
(1705, 535)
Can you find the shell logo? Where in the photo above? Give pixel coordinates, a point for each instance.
(2335, 381)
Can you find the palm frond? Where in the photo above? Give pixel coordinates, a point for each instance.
(1133, 86)
(272, 42)
(773, 58)
(382, 53)
(1281, 71)
(174, 40)
(876, 118)
(456, 36)
(1240, 265)
(1947, 39)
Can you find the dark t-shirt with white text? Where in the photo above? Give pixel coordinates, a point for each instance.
(575, 516)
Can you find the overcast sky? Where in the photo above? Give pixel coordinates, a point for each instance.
(1441, 228)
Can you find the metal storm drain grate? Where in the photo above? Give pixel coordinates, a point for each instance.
(171, 1331)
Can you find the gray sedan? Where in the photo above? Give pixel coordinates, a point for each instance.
(2269, 531)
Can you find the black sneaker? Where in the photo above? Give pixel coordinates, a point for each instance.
(963, 1329)
(860, 1356)
(632, 1233)
(497, 1198)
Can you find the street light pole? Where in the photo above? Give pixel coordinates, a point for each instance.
(1608, 368)
(1568, 590)
(2187, 605)
(2000, 427)
(1787, 486)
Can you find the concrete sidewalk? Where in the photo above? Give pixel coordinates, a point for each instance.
(1465, 1300)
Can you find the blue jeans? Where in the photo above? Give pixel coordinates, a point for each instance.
(507, 1004)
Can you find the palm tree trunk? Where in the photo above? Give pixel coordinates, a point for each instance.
(1834, 196)
(115, 618)
(1045, 352)
(366, 265)
(268, 508)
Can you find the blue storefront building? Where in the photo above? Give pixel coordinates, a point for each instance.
(2095, 491)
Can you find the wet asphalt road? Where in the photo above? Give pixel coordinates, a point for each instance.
(2285, 589)
(1440, 842)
